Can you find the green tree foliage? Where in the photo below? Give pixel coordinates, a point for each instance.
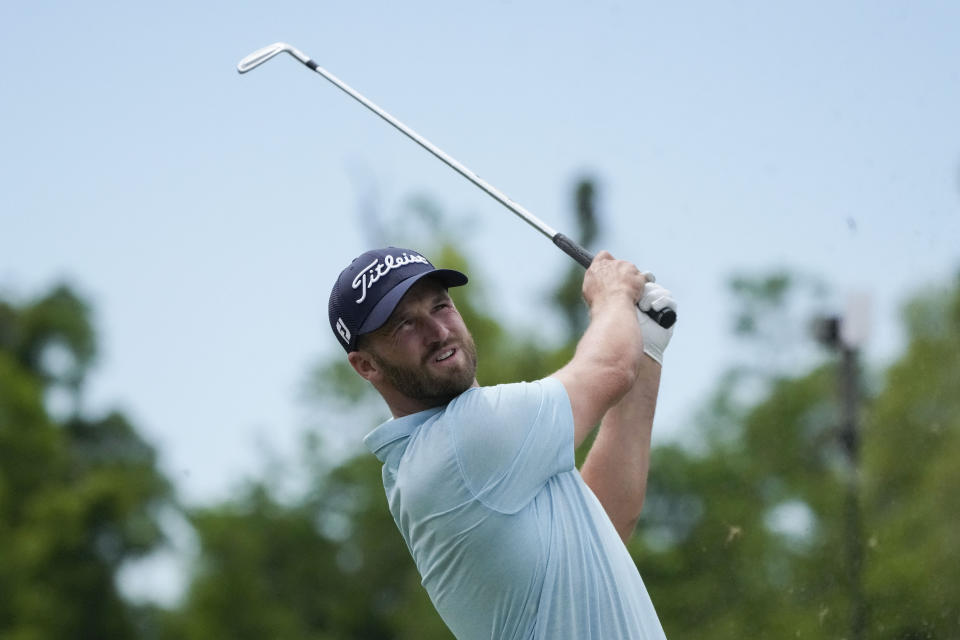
(745, 534)
(736, 528)
(327, 564)
(912, 471)
(744, 531)
(78, 495)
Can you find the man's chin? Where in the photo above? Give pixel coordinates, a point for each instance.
(434, 384)
(447, 387)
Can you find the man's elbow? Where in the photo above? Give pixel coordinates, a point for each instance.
(625, 369)
(619, 377)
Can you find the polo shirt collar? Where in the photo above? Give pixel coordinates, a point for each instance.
(382, 441)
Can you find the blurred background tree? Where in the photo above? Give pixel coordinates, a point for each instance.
(911, 456)
(742, 533)
(79, 495)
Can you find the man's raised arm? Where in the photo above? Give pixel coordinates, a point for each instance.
(605, 364)
(616, 467)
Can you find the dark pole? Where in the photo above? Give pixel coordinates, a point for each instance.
(853, 518)
(830, 334)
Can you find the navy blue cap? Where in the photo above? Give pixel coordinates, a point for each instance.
(368, 291)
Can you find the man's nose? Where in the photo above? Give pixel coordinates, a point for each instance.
(434, 330)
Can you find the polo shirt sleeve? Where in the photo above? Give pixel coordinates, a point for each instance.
(511, 439)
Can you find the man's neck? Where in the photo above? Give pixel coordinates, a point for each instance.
(401, 405)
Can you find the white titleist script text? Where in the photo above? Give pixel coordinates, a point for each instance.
(376, 270)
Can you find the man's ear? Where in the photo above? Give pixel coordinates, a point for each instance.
(363, 364)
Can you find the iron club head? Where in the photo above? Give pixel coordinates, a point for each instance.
(260, 56)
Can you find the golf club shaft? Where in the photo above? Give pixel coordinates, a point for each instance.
(664, 318)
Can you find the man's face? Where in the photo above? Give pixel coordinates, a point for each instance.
(425, 350)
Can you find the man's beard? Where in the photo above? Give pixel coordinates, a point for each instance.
(419, 383)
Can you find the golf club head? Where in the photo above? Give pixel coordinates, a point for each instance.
(260, 56)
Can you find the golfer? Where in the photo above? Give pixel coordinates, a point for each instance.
(510, 539)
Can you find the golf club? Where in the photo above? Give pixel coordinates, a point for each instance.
(665, 317)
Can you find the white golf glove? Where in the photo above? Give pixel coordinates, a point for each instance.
(655, 337)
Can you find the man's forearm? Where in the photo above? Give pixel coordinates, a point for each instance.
(617, 464)
(605, 364)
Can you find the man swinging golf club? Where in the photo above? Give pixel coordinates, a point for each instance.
(510, 539)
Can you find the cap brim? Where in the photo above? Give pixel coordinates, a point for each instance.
(382, 310)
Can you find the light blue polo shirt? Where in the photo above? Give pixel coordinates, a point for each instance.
(509, 541)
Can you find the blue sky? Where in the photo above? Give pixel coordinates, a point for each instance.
(205, 213)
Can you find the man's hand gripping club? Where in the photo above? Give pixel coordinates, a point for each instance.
(655, 337)
(652, 296)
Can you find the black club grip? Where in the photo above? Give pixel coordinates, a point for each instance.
(666, 318)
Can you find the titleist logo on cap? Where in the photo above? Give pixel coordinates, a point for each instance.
(372, 273)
